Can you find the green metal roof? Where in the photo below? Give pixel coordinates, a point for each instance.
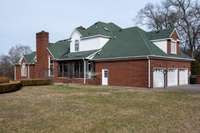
(132, 42)
(129, 42)
(77, 55)
(99, 28)
(59, 48)
(30, 58)
(162, 34)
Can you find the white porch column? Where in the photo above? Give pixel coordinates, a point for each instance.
(84, 71)
(149, 72)
(28, 72)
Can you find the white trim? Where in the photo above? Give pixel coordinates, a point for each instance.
(75, 30)
(163, 39)
(92, 55)
(50, 52)
(98, 35)
(144, 57)
(84, 71)
(149, 72)
(49, 71)
(20, 60)
(176, 33)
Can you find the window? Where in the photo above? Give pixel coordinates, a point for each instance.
(23, 70)
(76, 45)
(51, 68)
(60, 70)
(173, 47)
(105, 73)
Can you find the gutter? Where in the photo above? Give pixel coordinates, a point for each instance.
(143, 57)
(149, 72)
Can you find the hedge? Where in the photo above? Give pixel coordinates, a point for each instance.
(4, 80)
(35, 82)
(10, 87)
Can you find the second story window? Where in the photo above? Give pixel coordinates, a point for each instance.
(173, 47)
(76, 45)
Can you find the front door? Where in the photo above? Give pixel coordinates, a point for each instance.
(104, 76)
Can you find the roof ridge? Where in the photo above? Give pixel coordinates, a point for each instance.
(145, 40)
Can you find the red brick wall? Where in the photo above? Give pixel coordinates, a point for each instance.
(124, 73)
(18, 72)
(198, 79)
(32, 71)
(169, 46)
(174, 35)
(41, 67)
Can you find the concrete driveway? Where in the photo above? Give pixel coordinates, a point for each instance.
(193, 87)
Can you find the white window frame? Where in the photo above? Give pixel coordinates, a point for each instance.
(23, 70)
(173, 47)
(76, 45)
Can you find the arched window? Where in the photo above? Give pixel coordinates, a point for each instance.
(76, 45)
(23, 70)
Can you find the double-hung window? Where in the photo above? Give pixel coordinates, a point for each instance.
(76, 45)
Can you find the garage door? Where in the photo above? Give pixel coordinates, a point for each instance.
(183, 76)
(172, 77)
(158, 78)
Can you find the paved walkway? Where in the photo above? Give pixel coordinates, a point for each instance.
(194, 88)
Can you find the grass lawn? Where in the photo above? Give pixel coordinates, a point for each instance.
(75, 109)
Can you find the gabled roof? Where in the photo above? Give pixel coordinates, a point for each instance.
(99, 28)
(162, 34)
(133, 42)
(129, 42)
(30, 58)
(59, 48)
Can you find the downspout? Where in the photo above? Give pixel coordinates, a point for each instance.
(84, 71)
(149, 72)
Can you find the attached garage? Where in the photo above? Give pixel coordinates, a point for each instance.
(183, 76)
(172, 77)
(158, 78)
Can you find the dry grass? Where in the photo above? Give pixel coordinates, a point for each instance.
(92, 109)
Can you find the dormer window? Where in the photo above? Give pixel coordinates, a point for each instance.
(76, 45)
(173, 47)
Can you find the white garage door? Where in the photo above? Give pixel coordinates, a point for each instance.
(183, 76)
(172, 77)
(158, 78)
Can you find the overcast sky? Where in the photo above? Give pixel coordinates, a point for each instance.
(21, 19)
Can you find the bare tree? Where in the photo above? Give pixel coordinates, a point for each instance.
(6, 68)
(182, 14)
(7, 62)
(16, 52)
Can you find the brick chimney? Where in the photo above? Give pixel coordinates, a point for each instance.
(42, 41)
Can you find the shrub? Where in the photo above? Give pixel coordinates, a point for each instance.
(195, 68)
(35, 82)
(10, 87)
(4, 80)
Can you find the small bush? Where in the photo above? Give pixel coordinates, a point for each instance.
(10, 87)
(35, 82)
(4, 80)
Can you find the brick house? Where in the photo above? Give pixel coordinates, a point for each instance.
(106, 54)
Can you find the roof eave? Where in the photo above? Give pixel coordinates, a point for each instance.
(144, 57)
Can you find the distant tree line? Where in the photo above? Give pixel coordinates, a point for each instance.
(184, 15)
(7, 62)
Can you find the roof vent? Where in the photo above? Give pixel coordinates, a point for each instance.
(105, 28)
